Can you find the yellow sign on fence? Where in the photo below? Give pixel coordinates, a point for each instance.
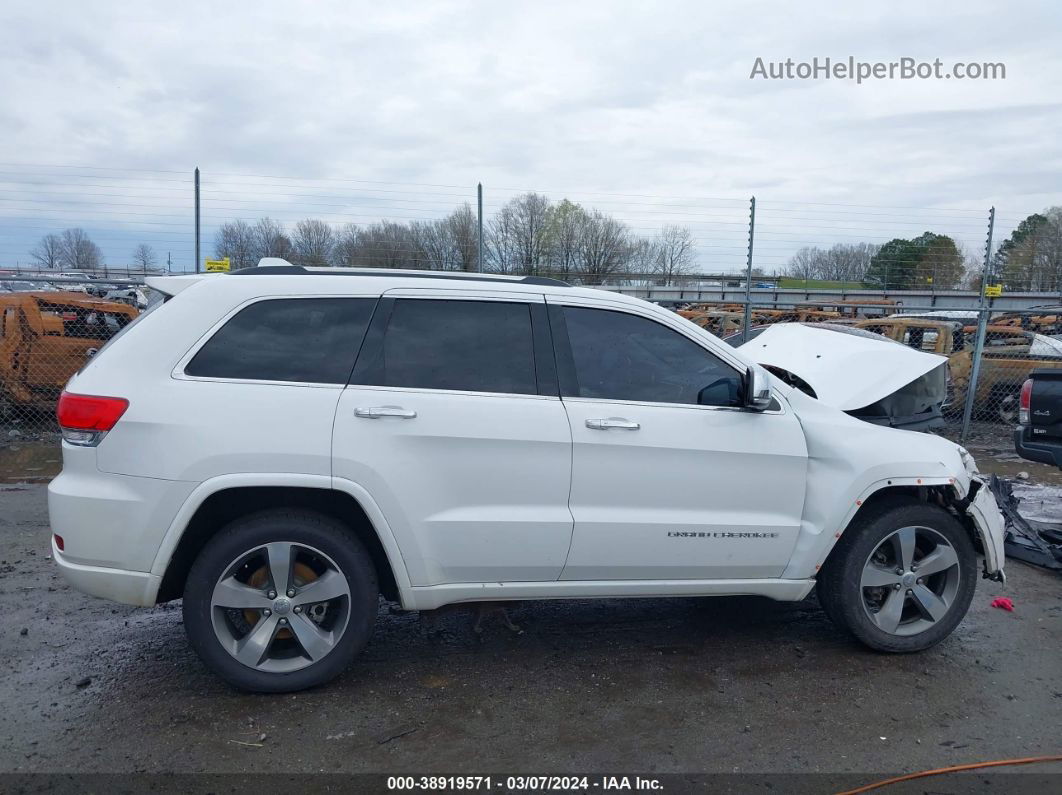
(217, 264)
(993, 291)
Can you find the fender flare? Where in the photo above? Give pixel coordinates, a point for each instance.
(808, 558)
(212, 486)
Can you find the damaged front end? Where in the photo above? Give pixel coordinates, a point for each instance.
(867, 376)
(980, 505)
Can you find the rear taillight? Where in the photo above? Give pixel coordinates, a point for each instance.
(85, 419)
(1025, 402)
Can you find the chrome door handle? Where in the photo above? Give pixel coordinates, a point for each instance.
(376, 412)
(612, 422)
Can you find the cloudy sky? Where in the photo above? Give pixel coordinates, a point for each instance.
(351, 112)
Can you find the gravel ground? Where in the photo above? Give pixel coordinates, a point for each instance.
(684, 685)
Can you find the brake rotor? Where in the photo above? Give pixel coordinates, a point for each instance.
(300, 571)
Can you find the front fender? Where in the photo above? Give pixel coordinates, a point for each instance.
(850, 460)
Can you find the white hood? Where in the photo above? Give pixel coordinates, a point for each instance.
(846, 371)
(1048, 347)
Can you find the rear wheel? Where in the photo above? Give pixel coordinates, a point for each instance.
(281, 601)
(902, 580)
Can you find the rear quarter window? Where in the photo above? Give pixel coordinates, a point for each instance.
(305, 340)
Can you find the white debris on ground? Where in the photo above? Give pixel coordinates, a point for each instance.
(1039, 502)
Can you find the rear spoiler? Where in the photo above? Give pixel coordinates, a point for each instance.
(171, 285)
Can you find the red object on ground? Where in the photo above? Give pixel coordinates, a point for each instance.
(1003, 603)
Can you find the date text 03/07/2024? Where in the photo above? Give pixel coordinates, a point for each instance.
(523, 783)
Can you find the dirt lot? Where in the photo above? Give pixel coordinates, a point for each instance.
(693, 685)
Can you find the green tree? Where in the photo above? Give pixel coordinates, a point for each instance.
(928, 261)
(1031, 258)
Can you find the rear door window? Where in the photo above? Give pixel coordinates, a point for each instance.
(306, 340)
(471, 346)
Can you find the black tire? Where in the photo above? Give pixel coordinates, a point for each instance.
(839, 583)
(323, 533)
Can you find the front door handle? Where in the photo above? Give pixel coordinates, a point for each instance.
(376, 412)
(608, 423)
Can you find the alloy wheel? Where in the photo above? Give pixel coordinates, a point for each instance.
(910, 581)
(280, 607)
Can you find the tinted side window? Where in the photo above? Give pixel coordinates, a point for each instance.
(309, 340)
(476, 346)
(625, 357)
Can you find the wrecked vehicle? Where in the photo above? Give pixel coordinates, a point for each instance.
(1009, 355)
(862, 374)
(334, 435)
(45, 337)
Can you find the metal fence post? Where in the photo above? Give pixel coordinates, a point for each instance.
(982, 325)
(748, 272)
(479, 218)
(197, 219)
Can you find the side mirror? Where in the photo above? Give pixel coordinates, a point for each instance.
(757, 390)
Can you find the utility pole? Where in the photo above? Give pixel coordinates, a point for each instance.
(197, 261)
(479, 215)
(982, 325)
(748, 272)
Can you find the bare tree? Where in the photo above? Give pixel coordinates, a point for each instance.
(78, 252)
(312, 242)
(269, 240)
(605, 249)
(848, 262)
(464, 233)
(805, 263)
(48, 252)
(144, 257)
(643, 257)
(675, 253)
(518, 234)
(383, 245)
(233, 240)
(433, 245)
(345, 250)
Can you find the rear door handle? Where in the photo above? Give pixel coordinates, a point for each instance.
(608, 423)
(376, 412)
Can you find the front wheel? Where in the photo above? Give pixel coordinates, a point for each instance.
(281, 601)
(902, 579)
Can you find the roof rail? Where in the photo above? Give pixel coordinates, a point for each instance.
(293, 270)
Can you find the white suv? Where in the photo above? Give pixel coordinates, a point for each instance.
(280, 446)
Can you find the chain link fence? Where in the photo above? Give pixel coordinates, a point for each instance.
(920, 276)
(49, 327)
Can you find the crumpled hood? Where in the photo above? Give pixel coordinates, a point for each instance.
(846, 371)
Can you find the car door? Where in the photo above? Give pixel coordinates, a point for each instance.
(671, 477)
(452, 421)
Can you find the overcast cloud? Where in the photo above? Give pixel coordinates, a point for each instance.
(571, 98)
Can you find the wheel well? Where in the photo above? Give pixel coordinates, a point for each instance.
(882, 499)
(227, 505)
